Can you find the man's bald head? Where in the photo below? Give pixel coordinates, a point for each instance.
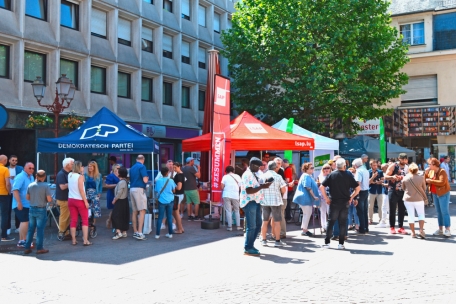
(41, 175)
(3, 159)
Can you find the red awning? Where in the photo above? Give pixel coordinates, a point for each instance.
(249, 133)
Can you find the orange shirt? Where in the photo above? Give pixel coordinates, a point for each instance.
(4, 174)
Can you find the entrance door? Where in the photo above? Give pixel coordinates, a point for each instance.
(166, 153)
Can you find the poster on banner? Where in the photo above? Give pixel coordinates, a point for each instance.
(369, 127)
(319, 161)
(221, 136)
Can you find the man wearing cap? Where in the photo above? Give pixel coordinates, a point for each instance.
(191, 187)
(251, 197)
(394, 174)
(39, 194)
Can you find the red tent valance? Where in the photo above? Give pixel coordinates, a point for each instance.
(249, 133)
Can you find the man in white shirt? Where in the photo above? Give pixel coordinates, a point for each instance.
(363, 203)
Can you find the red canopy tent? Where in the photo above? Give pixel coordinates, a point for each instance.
(249, 133)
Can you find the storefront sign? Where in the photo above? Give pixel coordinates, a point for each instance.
(369, 127)
(154, 131)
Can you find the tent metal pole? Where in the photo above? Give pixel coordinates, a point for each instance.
(183, 163)
(37, 161)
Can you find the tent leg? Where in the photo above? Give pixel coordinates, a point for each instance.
(183, 163)
(37, 161)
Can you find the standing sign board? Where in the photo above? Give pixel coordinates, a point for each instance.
(221, 135)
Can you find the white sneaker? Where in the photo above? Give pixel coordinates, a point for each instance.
(341, 247)
(229, 228)
(438, 232)
(382, 225)
(174, 226)
(169, 236)
(279, 244)
(325, 246)
(239, 228)
(141, 237)
(163, 227)
(181, 215)
(447, 233)
(157, 236)
(264, 243)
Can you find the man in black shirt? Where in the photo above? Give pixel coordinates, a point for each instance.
(339, 182)
(61, 196)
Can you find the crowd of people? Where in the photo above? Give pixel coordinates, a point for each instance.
(264, 190)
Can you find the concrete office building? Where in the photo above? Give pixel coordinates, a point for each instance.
(143, 59)
(425, 117)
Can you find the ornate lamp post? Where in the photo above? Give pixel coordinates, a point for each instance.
(64, 93)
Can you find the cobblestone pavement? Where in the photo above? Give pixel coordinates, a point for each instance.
(208, 266)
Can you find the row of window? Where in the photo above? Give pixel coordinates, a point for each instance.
(35, 65)
(69, 14)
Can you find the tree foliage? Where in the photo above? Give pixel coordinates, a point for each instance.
(312, 58)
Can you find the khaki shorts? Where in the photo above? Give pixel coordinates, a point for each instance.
(274, 211)
(138, 199)
(192, 196)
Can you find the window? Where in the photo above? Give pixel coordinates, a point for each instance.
(420, 89)
(186, 9)
(97, 80)
(36, 8)
(229, 24)
(124, 32)
(167, 46)
(445, 31)
(34, 65)
(202, 58)
(4, 61)
(146, 89)
(167, 93)
(216, 23)
(149, 1)
(98, 23)
(185, 52)
(413, 33)
(202, 16)
(201, 100)
(69, 15)
(168, 5)
(6, 4)
(70, 68)
(123, 85)
(185, 97)
(146, 36)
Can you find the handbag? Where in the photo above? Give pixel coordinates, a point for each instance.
(236, 183)
(147, 228)
(423, 195)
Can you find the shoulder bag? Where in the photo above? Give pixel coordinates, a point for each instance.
(236, 182)
(423, 195)
(161, 191)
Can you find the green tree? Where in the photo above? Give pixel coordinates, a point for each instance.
(311, 58)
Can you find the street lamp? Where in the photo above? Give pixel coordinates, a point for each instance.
(64, 93)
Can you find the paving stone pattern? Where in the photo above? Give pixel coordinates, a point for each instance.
(208, 266)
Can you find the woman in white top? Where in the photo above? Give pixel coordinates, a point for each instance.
(230, 186)
(77, 203)
(324, 208)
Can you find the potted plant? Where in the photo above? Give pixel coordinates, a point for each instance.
(38, 120)
(72, 121)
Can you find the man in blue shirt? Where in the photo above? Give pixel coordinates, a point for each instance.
(138, 182)
(375, 190)
(20, 203)
(14, 170)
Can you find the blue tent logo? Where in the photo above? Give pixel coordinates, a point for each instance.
(102, 130)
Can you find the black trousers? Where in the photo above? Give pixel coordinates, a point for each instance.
(17, 222)
(289, 203)
(337, 211)
(396, 200)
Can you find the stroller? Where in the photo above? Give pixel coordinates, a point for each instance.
(92, 228)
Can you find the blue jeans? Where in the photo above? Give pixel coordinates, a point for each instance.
(4, 207)
(443, 209)
(353, 215)
(162, 209)
(253, 220)
(37, 219)
(362, 210)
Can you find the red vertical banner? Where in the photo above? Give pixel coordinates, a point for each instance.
(221, 135)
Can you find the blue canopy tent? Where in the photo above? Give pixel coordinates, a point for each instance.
(104, 132)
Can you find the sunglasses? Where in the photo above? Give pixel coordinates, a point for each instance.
(256, 166)
(312, 168)
(326, 168)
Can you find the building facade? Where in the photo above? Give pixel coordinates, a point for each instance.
(145, 60)
(425, 117)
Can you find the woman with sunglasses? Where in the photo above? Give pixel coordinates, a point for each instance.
(306, 196)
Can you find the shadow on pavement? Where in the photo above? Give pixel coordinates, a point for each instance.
(281, 260)
(371, 252)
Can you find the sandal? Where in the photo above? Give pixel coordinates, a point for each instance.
(422, 235)
(88, 244)
(414, 236)
(74, 243)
